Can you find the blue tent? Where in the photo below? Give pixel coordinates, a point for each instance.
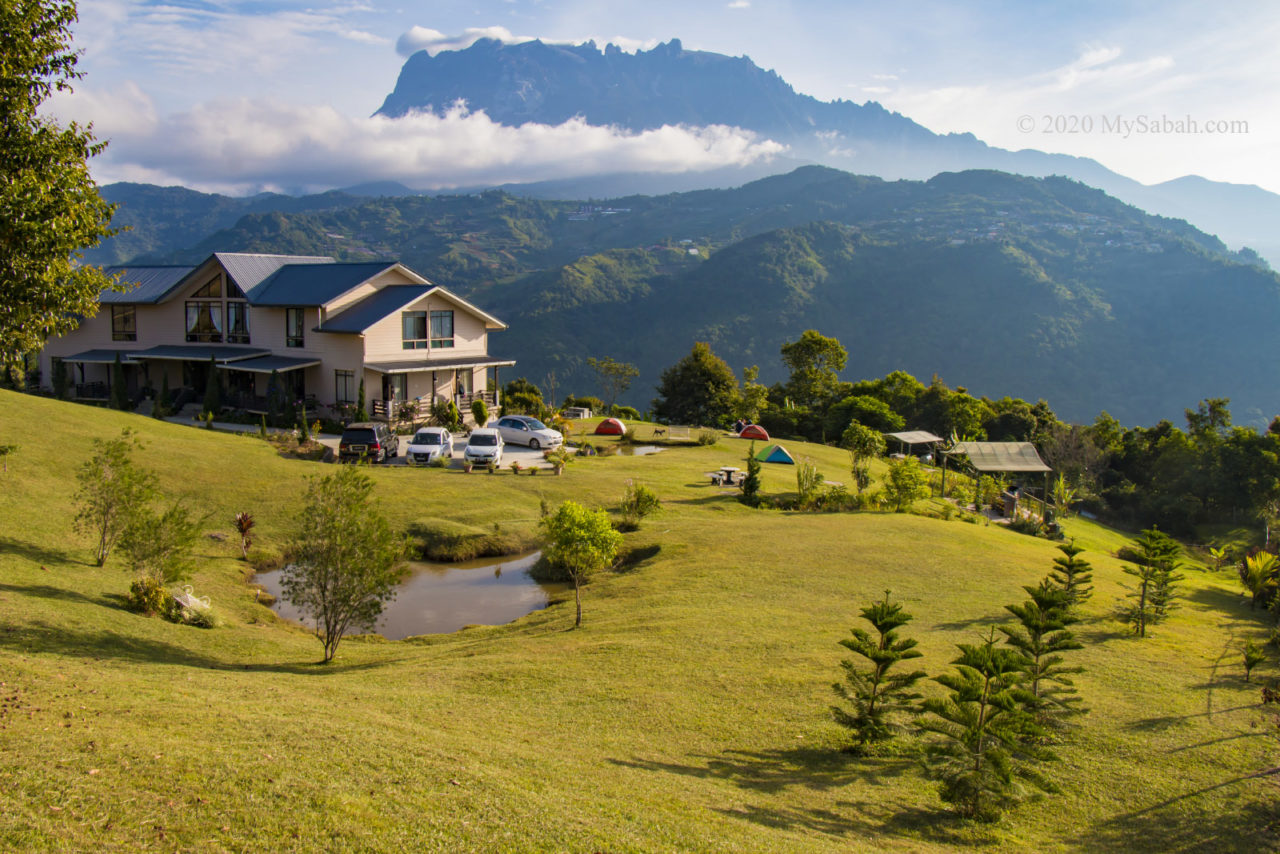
(775, 454)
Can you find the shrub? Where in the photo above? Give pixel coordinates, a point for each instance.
(1025, 525)
(447, 541)
(638, 501)
(147, 595)
(479, 412)
(808, 482)
(264, 558)
(627, 412)
(708, 437)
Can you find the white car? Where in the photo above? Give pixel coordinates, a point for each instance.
(428, 445)
(524, 430)
(484, 445)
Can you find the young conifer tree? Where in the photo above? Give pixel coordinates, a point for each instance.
(751, 483)
(1072, 574)
(986, 741)
(1040, 636)
(878, 697)
(1156, 571)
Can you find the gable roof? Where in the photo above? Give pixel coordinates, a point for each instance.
(248, 269)
(368, 311)
(311, 284)
(150, 283)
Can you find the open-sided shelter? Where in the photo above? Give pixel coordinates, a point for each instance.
(909, 439)
(999, 458)
(775, 454)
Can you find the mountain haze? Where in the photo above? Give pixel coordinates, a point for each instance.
(668, 85)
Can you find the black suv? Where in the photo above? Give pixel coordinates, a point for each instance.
(368, 440)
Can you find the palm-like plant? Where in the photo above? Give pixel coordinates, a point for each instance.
(1258, 574)
(244, 524)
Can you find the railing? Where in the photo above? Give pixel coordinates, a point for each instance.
(420, 409)
(93, 391)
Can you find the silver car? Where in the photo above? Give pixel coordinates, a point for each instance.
(525, 430)
(428, 445)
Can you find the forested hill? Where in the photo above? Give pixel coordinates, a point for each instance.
(1010, 285)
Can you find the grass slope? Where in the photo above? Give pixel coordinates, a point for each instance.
(688, 714)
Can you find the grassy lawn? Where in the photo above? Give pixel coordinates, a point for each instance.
(690, 713)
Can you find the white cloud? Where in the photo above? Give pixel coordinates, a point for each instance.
(240, 146)
(738, 4)
(434, 41)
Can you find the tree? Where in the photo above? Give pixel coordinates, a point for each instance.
(615, 377)
(580, 542)
(479, 412)
(119, 394)
(638, 501)
(112, 490)
(1040, 636)
(751, 482)
(1063, 496)
(158, 546)
(815, 361)
(50, 208)
(863, 444)
(865, 410)
(699, 389)
(878, 696)
(1156, 571)
(61, 380)
(905, 483)
(160, 407)
(212, 389)
(1071, 574)
(5, 451)
(521, 397)
(1252, 656)
(753, 397)
(362, 412)
(986, 740)
(346, 559)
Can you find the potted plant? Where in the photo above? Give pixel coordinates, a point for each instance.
(467, 465)
(515, 467)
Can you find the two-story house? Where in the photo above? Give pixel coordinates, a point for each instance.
(319, 326)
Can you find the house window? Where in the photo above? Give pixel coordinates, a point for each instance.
(204, 321)
(442, 329)
(398, 385)
(293, 330)
(414, 329)
(237, 323)
(124, 323)
(344, 386)
(212, 290)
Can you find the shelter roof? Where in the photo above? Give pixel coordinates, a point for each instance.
(1001, 456)
(914, 437)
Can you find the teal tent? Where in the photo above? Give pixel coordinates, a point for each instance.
(775, 454)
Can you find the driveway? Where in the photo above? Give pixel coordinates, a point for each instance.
(510, 453)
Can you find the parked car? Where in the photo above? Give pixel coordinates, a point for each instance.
(368, 440)
(428, 445)
(524, 430)
(484, 445)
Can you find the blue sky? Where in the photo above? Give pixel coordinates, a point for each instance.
(240, 96)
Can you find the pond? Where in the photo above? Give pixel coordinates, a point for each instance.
(639, 450)
(444, 597)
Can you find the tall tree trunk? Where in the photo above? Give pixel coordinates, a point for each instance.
(577, 598)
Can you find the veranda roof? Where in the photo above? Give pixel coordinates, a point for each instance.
(267, 364)
(1001, 456)
(915, 437)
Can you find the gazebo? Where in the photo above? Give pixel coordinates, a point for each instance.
(1000, 458)
(912, 438)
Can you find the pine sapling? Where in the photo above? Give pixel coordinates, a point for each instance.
(1072, 574)
(878, 697)
(1040, 636)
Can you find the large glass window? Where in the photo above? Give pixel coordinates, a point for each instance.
(293, 329)
(124, 323)
(213, 289)
(398, 384)
(344, 383)
(204, 321)
(442, 329)
(237, 323)
(414, 329)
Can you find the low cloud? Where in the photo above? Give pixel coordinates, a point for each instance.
(434, 41)
(242, 146)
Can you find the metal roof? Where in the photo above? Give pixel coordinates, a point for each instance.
(407, 367)
(99, 356)
(267, 364)
(150, 283)
(312, 284)
(248, 270)
(368, 311)
(914, 437)
(200, 352)
(1001, 456)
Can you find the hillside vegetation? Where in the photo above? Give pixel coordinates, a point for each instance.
(1030, 287)
(690, 712)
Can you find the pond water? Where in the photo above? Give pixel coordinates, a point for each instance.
(444, 597)
(639, 450)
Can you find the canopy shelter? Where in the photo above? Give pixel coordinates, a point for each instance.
(775, 454)
(999, 458)
(910, 438)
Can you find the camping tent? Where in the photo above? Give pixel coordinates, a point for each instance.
(775, 454)
(610, 427)
(754, 431)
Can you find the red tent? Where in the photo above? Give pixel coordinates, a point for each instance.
(754, 431)
(611, 427)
